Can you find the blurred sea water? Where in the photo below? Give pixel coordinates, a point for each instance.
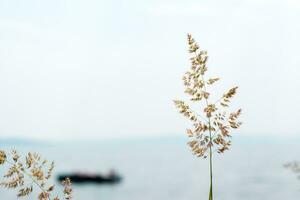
(165, 169)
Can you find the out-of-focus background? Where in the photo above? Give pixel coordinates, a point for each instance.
(90, 85)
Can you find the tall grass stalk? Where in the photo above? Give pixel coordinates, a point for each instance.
(212, 126)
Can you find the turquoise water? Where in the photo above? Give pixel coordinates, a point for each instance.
(164, 169)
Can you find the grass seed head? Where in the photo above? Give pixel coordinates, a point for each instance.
(212, 127)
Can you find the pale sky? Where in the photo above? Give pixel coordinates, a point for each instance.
(98, 69)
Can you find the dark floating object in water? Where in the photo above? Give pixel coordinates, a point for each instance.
(91, 178)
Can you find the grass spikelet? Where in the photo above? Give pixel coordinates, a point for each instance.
(25, 173)
(294, 167)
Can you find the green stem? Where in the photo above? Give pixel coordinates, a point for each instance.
(211, 172)
(210, 145)
(210, 151)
